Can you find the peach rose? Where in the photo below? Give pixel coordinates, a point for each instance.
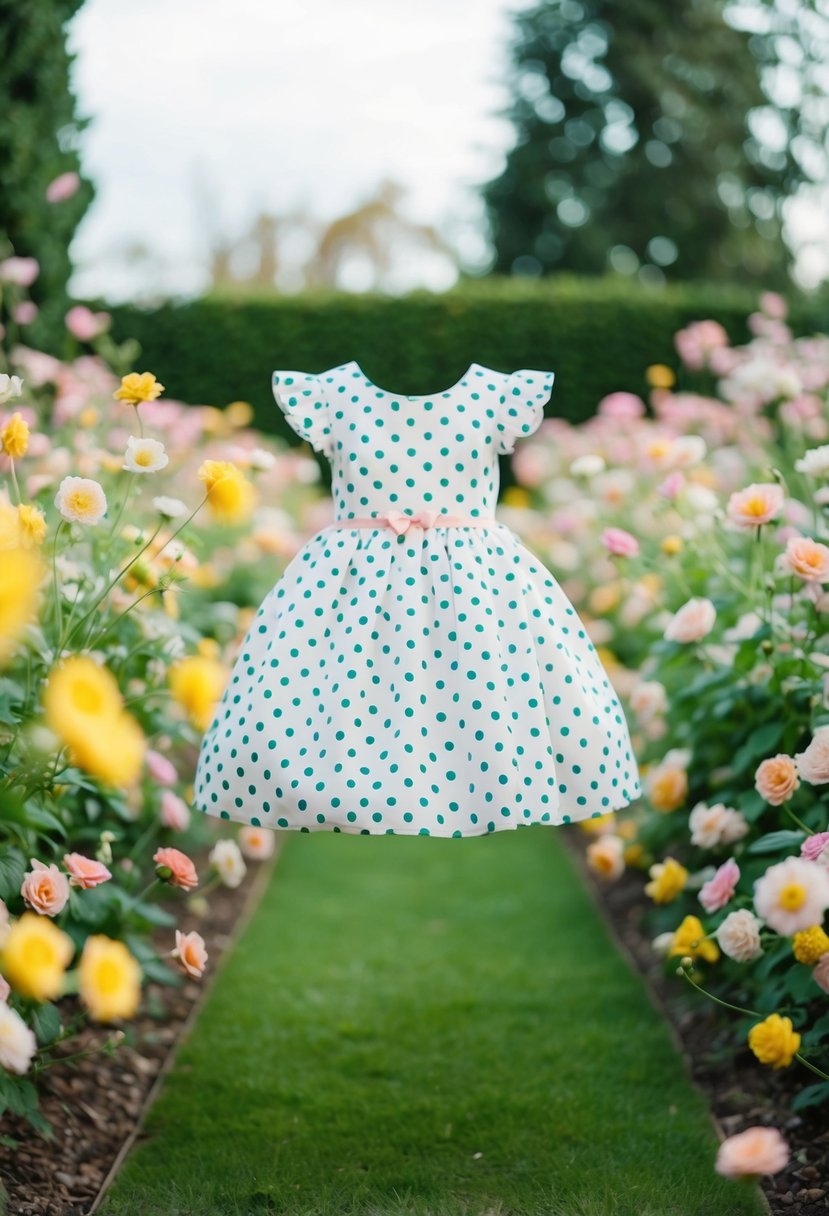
(806, 558)
(667, 786)
(84, 871)
(813, 763)
(182, 871)
(190, 952)
(692, 622)
(605, 856)
(756, 1151)
(45, 889)
(255, 842)
(759, 503)
(776, 779)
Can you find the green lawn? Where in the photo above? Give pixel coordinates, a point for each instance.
(427, 1026)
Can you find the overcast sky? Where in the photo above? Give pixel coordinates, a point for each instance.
(278, 106)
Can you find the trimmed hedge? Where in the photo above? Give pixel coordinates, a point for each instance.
(598, 335)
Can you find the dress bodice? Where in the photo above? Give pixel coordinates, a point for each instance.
(437, 450)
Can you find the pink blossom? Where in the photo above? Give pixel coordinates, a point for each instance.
(813, 845)
(25, 312)
(697, 341)
(160, 768)
(22, 272)
(619, 542)
(190, 952)
(175, 812)
(84, 324)
(672, 484)
(62, 187)
(716, 893)
(773, 305)
(85, 872)
(622, 407)
(45, 889)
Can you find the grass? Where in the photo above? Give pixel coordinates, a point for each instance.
(427, 1027)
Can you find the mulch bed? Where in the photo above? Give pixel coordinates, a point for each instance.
(68, 1175)
(741, 1092)
(95, 1103)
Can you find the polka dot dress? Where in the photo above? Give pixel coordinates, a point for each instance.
(435, 682)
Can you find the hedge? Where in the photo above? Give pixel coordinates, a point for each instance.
(598, 335)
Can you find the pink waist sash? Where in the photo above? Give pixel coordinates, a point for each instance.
(426, 518)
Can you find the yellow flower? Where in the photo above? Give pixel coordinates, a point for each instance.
(109, 979)
(88, 417)
(667, 786)
(239, 413)
(137, 387)
(634, 854)
(229, 495)
(690, 939)
(32, 525)
(197, 683)
(601, 823)
(83, 706)
(15, 437)
(668, 878)
(672, 544)
(810, 944)
(515, 496)
(774, 1041)
(23, 573)
(604, 599)
(659, 375)
(35, 956)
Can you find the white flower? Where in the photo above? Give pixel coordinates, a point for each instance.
(10, 386)
(648, 699)
(227, 860)
(700, 499)
(813, 764)
(587, 465)
(792, 895)
(739, 936)
(815, 462)
(17, 1040)
(663, 942)
(144, 455)
(694, 621)
(688, 450)
(707, 824)
(170, 508)
(735, 826)
(81, 500)
(261, 459)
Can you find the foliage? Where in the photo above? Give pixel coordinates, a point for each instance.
(636, 143)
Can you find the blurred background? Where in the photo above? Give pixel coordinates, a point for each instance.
(238, 177)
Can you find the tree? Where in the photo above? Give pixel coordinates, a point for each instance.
(39, 136)
(640, 142)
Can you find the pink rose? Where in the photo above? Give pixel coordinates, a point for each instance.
(175, 812)
(190, 952)
(813, 845)
(621, 407)
(25, 312)
(182, 871)
(756, 1151)
(45, 889)
(692, 622)
(84, 324)
(85, 872)
(160, 768)
(716, 893)
(63, 187)
(672, 484)
(22, 272)
(619, 542)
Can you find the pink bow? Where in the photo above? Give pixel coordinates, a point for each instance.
(401, 523)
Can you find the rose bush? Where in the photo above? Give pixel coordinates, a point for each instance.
(120, 606)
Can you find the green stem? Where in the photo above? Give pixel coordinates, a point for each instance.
(799, 822)
(107, 589)
(58, 613)
(725, 1004)
(812, 1067)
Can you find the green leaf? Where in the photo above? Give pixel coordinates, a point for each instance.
(44, 821)
(812, 1095)
(785, 838)
(46, 1022)
(155, 914)
(12, 696)
(162, 973)
(12, 869)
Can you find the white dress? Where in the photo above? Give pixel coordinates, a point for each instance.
(415, 679)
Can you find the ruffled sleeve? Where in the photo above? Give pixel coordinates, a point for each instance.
(301, 397)
(521, 406)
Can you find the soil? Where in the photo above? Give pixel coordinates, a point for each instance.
(69, 1174)
(741, 1092)
(95, 1103)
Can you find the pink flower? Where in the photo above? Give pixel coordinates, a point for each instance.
(757, 504)
(692, 622)
(85, 872)
(62, 187)
(756, 1151)
(22, 272)
(25, 312)
(4, 988)
(182, 871)
(621, 407)
(175, 812)
(672, 484)
(773, 305)
(716, 893)
(45, 889)
(807, 558)
(620, 542)
(190, 952)
(160, 768)
(84, 324)
(813, 845)
(255, 842)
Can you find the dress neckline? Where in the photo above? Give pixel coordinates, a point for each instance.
(408, 397)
